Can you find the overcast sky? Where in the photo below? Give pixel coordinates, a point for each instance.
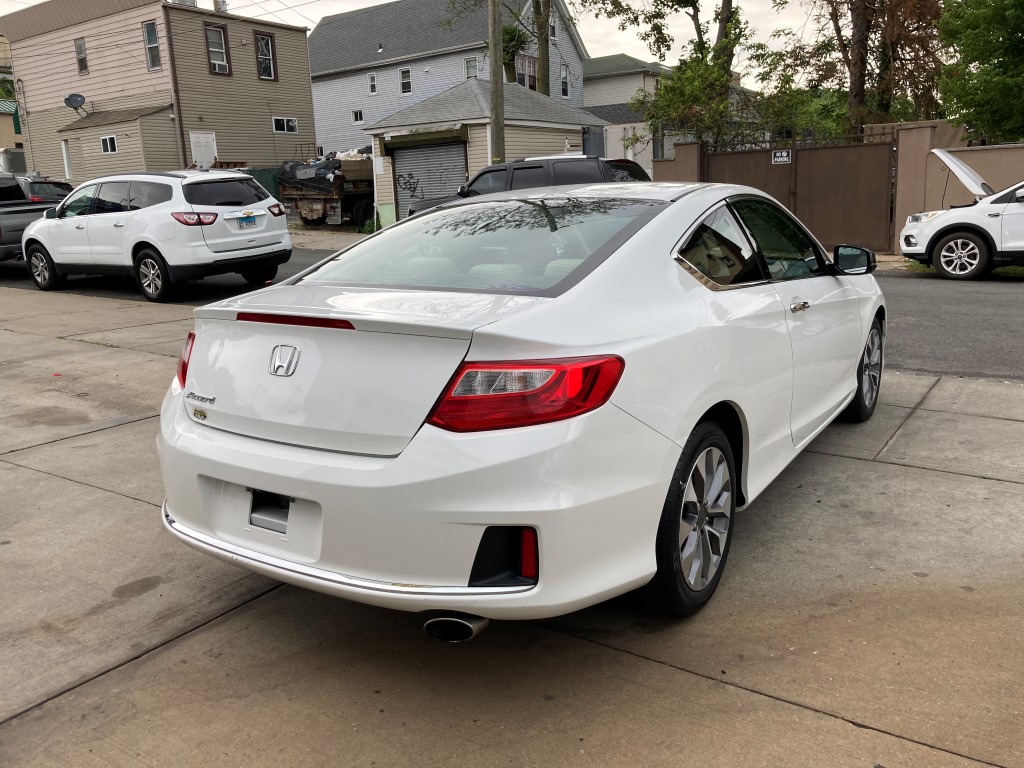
(601, 36)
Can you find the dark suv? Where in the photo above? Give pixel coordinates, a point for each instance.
(549, 171)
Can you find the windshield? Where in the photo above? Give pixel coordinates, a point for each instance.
(240, 191)
(532, 247)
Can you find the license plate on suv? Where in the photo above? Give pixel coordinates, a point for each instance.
(247, 222)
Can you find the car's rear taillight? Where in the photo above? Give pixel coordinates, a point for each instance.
(195, 219)
(276, 209)
(186, 353)
(36, 199)
(502, 395)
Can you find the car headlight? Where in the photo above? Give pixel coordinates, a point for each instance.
(917, 218)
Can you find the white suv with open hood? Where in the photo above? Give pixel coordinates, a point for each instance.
(966, 242)
(162, 228)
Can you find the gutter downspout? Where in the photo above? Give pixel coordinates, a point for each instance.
(174, 87)
(20, 85)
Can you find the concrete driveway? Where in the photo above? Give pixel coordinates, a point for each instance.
(870, 614)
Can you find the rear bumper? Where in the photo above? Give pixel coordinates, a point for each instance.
(10, 252)
(402, 532)
(181, 272)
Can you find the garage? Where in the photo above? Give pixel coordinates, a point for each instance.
(424, 172)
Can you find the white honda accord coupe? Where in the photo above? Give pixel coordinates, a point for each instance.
(520, 405)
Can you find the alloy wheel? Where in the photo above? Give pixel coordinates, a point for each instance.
(150, 277)
(871, 368)
(704, 523)
(40, 269)
(960, 256)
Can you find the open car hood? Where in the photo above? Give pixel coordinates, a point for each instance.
(967, 175)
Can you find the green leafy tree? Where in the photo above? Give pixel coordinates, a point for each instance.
(983, 86)
(7, 90)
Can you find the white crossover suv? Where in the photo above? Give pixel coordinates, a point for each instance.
(162, 228)
(966, 242)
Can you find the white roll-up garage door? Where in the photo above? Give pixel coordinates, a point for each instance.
(425, 172)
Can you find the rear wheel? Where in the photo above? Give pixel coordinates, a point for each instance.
(696, 527)
(961, 256)
(869, 377)
(361, 212)
(43, 270)
(152, 276)
(260, 275)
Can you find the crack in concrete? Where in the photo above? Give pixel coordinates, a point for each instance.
(79, 482)
(103, 428)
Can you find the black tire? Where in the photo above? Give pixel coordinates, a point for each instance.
(676, 590)
(962, 256)
(869, 377)
(362, 212)
(319, 221)
(260, 275)
(42, 269)
(151, 275)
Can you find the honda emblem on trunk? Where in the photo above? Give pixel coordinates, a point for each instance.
(283, 360)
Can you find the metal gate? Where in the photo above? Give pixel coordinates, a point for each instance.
(425, 172)
(842, 190)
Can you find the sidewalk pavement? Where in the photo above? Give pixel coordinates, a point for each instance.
(870, 614)
(324, 238)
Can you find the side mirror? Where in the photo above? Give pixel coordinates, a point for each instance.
(853, 260)
(1019, 195)
(50, 213)
(463, 191)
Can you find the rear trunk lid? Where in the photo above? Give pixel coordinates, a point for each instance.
(244, 221)
(364, 390)
(970, 178)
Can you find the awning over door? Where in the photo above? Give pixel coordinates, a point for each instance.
(421, 173)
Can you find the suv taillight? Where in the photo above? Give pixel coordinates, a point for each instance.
(186, 353)
(503, 395)
(36, 199)
(195, 219)
(276, 209)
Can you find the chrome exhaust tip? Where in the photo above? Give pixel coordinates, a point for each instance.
(455, 627)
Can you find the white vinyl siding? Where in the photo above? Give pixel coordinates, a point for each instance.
(522, 141)
(614, 90)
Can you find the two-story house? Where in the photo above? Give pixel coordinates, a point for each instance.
(370, 63)
(160, 86)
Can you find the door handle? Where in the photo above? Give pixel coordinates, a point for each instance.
(993, 215)
(799, 306)
(79, 226)
(119, 224)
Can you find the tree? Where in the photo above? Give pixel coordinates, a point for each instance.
(984, 85)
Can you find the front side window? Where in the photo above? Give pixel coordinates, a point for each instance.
(789, 252)
(266, 56)
(286, 125)
(83, 61)
(112, 197)
(143, 194)
(241, 192)
(217, 49)
(108, 145)
(489, 181)
(527, 177)
(536, 247)
(471, 67)
(79, 203)
(719, 250)
(371, 81)
(565, 81)
(405, 78)
(151, 41)
(357, 116)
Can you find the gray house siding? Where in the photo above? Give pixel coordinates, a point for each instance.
(335, 98)
(563, 51)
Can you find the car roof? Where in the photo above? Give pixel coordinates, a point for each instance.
(665, 191)
(185, 176)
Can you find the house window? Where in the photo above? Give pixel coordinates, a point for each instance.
(405, 77)
(286, 125)
(371, 80)
(565, 81)
(217, 49)
(471, 67)
(83, 62)
(526, 71)
(108, 145)
(552, 31)
(152, 42)
(357, 116)
(266, 56)
(65, 151)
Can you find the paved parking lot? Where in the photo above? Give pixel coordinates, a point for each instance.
(870, 614)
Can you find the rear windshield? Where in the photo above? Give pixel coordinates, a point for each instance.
(627, 170)
(538, 247)
(243, 191)
(50, 188)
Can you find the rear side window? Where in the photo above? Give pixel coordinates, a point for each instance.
(525, 177)
(576, 172)
(627, 170)
(49, 188)
(10, 189)
(147, 193)
(112, 197)
(718, 249)
(243, 191)
(536, 247)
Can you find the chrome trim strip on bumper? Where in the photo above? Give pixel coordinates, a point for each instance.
(249, 247)
(341, 580)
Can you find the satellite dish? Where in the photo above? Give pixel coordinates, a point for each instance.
(74, 100)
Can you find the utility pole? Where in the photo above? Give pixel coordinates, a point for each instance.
(497, 76)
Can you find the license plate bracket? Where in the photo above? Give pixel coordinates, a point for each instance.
(247, 222)
(269, 511)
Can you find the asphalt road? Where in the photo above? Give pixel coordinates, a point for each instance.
(936, 326)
